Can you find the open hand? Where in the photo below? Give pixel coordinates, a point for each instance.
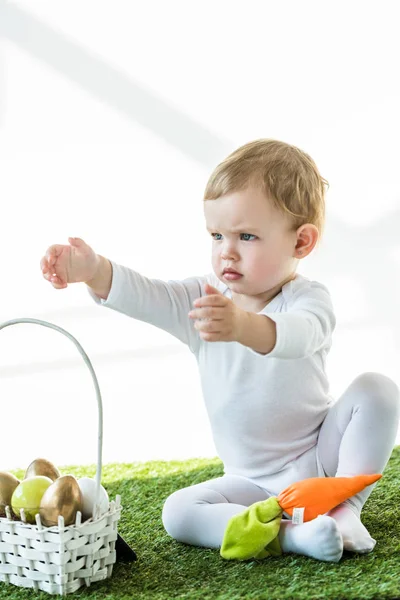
(64, 264)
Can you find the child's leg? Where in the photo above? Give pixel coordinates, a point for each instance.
(357, 437)
(199, 514)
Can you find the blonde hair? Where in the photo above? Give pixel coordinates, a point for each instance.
(288, 176)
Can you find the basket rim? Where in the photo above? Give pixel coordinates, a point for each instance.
(114, 506)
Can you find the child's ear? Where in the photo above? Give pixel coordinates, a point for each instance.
(307, 236)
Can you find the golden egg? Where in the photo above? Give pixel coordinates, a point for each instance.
(41, 466)
(62, 498)
(8, 483)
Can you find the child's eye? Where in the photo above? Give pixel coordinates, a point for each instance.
(247, 237)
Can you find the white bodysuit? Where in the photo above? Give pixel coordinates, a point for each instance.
(272, 418)
(265, 411)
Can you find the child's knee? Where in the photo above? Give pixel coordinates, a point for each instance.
(174, 514)
(183, 508)
(380, 390)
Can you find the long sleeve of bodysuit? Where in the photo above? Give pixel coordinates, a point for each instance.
(307, 324)
(164, 304)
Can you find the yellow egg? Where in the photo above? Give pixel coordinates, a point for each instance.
(41, 466)
(27, 496)
(62, 498)
(8, 483)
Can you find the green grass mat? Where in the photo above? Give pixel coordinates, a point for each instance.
(166, 569)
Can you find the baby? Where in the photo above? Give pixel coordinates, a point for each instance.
(261, 334)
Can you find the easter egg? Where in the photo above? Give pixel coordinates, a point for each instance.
(8, 483)
(88, 489)
(42, 466)
(62, 498)
(28, 494)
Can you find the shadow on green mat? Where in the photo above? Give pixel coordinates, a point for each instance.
(166, 569)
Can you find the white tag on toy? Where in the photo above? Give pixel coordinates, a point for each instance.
(298, 516)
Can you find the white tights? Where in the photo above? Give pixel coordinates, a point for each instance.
(356, 437)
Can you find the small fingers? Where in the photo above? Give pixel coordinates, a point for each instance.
(77, 242)
(208, 326)
(47, 269)
(44, 265)
(213, 300)
(57, 283)
(59, 287)
(53, 252)
(210, 337)
(50, 276)
(206, 313)
(54, 278)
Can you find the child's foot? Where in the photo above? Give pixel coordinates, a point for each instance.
(355, 536)
(319, 538)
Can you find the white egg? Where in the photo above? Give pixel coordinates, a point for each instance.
(88, 489)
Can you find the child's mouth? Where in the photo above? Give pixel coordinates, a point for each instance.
(230, 276)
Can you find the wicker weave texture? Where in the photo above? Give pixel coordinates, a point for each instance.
(59, 560)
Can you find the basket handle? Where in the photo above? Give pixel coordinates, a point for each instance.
(97, 388)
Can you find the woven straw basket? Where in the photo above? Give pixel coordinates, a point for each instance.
(61, 559)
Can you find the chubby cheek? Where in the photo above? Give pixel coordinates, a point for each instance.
(216, 261)
(261, 269)
(269, 267)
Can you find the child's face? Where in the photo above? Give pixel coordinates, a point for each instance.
(254, 239)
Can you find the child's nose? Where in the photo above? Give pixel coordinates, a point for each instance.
(228, 251)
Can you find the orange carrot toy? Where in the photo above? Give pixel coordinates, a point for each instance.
(253, 533)
(318, 495)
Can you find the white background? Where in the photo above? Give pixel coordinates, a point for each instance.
(112, 116)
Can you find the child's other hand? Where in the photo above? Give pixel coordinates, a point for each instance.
(222, 317)
(72, 263)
